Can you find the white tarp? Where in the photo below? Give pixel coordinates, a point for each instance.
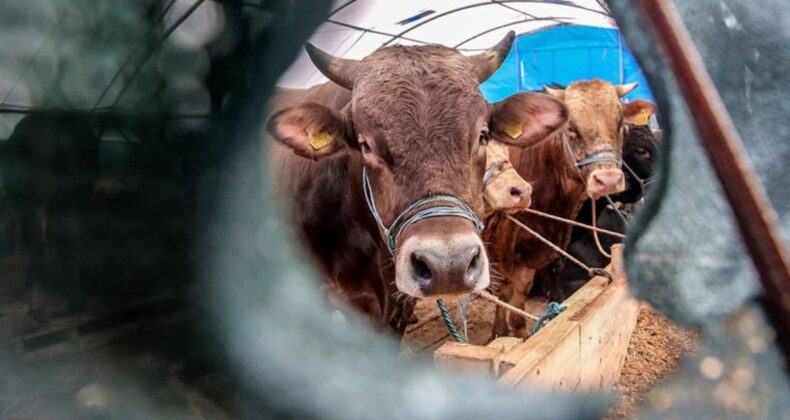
(356, 28)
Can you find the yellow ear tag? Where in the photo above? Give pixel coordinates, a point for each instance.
(514, 130)
(319, 140)
(643, 118)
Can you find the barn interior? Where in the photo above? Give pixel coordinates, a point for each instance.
(147, 271)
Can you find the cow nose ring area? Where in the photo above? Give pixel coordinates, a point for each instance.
(438, 273)
(434, 264)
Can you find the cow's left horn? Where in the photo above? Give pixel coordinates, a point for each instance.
(336, 69)
(623, 90)
(489, 61)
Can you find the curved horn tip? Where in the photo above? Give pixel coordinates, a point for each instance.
(623, 90)
(339, 70)
(556, 93)
(489, 61)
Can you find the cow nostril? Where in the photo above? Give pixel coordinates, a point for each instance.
(420, 269)
(598, 181)
(474, 263)
(516, 192)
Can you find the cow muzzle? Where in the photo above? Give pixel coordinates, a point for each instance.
(603, 182)
(438, 260)
(508, 192)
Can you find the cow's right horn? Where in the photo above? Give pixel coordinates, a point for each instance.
(489, 61)
(336, 69)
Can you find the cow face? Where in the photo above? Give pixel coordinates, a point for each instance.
(639, 151)
(504, 189)
(596, 125)
(419, 125)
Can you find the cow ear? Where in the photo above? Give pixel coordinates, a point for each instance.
(310, 130)
(526, 118)
(638, 112)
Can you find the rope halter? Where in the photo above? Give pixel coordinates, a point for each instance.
(409, 217)
(643, 182)
(599, 156)
(489, 175)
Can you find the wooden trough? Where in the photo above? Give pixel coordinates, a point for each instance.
(582, 349)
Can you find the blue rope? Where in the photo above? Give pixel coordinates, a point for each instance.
(552, 311)
(448, 322)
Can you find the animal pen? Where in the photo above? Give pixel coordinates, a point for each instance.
(165, 281)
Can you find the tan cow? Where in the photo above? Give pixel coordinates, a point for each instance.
(582, 161)
(503, 188)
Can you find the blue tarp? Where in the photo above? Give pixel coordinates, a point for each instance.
(563, 55)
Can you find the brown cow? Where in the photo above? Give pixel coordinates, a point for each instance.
(405, 124)
(581, 161)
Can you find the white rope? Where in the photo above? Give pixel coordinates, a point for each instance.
(574, 223)
(591, 271)
(492, 298)
(595, 234)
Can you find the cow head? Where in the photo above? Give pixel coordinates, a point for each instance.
(419, 124)
(639, 151)
(503, 188)
(595, 130)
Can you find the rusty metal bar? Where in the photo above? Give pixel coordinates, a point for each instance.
(754, 214)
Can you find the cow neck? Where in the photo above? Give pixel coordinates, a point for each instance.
(421, 209)
(553, 173)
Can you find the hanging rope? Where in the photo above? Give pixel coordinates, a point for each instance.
(448, 322)
(462, 304)
(616, 210)
(595, 233)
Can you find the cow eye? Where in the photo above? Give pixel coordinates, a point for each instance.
(364, 146)
(483, 139)
(642, 152)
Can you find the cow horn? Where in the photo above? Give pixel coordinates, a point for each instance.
(556, 93)
(489, 61)
(336, 69)
(623, 90)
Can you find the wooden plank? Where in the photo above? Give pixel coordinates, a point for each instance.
(606, 329)
(474, 359)
(466, 358)
(605, 332)
(583, 349)
(550, 359)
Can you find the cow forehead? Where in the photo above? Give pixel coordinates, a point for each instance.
(418, 89)
(433, 70)
(594, 102)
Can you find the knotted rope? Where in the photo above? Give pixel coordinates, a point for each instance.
(552, 311)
